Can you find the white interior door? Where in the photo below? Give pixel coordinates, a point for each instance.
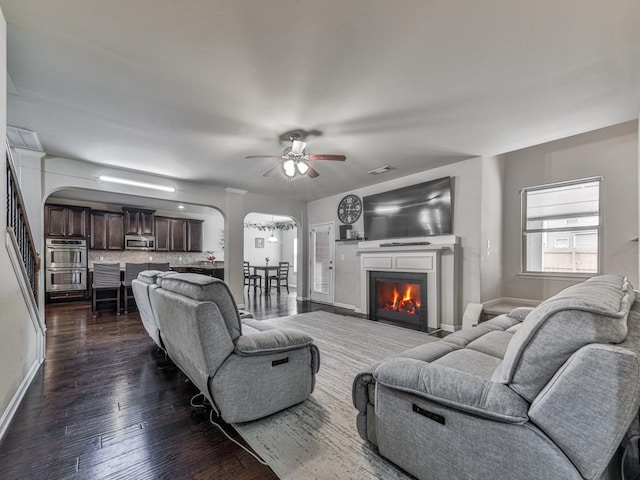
(322, 248)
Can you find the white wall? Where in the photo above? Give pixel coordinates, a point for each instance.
(18, 338)
(257, 256)
(467, 201)
(286, 237)
(609, 152)
(491, 228)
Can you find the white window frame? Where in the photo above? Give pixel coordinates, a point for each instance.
(524, 231)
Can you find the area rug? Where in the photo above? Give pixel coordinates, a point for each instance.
(317, 439)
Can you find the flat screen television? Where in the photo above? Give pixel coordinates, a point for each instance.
(415, 211)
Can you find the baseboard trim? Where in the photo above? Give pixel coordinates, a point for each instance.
(302, 299)
(8, 414)
(345, 305)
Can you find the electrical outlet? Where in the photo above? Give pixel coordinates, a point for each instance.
(150, 259)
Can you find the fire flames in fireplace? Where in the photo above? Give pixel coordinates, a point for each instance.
(399, 297)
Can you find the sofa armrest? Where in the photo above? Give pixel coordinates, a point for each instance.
(271, 341)
(360, 388)
(453, 388)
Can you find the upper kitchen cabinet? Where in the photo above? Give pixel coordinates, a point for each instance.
(194, 235)
(163, 234)
(178, 235)
(66, 222)
(107, 231)
(138, 222)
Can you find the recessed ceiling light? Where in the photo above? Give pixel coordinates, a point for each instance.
(378, 171)
(181, 207)
(133, 183)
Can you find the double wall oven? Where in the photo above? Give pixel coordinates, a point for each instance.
(66, 265)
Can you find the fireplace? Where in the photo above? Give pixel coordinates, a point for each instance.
(399, 298)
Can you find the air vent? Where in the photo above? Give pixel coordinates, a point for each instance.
(23, 138)
(380, 170)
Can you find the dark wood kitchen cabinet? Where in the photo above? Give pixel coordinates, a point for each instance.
(107, 230)
(163, 233)
(138, 222)
(63, 221)
(178, 234)
(194, 235)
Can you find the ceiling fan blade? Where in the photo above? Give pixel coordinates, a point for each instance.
(263, 156)
(271, 170)
(319, 156)
(312, 173)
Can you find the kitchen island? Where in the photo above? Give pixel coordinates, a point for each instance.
(212, 269)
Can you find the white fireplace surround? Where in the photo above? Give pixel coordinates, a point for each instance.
(438, 261)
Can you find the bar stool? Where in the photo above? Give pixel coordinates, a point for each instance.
(106, 278)
(131, 271)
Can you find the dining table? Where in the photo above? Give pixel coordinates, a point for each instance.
(266, 269)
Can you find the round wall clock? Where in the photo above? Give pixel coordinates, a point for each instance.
(349, 209)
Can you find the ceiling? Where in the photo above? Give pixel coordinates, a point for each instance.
(188, 89)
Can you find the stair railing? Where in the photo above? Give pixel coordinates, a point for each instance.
(18, 225)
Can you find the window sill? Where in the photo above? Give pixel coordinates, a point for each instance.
(558, 276)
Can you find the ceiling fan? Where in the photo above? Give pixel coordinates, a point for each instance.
(295, 158)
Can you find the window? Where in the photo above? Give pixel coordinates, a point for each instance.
(562, 228)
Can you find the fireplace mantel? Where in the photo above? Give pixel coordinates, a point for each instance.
(438, 260)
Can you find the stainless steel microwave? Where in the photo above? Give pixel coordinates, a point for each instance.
(139, 242)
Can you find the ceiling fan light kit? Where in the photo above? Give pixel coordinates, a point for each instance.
(289, 167)
(302, 167)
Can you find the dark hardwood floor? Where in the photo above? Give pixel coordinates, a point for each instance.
(107, 403)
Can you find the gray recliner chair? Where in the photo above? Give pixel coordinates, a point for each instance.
(536, 394)
(246, 369)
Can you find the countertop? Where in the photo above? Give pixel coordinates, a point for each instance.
(201, 265)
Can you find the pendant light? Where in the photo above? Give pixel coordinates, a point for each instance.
(272, 238)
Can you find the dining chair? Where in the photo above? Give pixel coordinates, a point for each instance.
(131, 271)
(248, 277)
(281, 278)
(106, 278)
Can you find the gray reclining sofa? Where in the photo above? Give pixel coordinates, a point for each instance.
(247, 369)
(544, 393)
(146, 281)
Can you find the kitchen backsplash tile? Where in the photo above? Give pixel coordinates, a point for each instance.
(140, 256)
